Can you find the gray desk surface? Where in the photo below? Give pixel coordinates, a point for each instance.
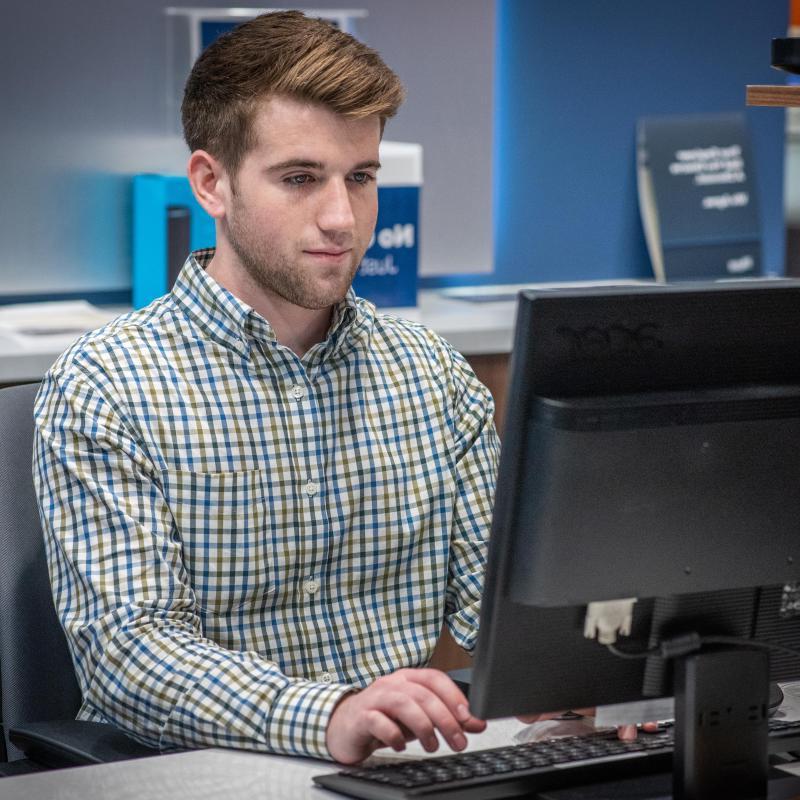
(205, 775)
(198, 775)
(214, 774)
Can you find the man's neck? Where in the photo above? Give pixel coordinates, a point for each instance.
(295, 327)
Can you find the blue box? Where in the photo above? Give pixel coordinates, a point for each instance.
(153, 195)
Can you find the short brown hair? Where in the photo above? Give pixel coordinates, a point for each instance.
(282, 53)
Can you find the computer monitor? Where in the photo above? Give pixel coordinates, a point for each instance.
(651, 452)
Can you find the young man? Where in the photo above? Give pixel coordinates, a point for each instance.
(260, 497)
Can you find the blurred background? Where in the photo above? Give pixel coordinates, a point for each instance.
(526, 112)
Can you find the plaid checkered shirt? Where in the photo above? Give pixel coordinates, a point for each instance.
(238, 536)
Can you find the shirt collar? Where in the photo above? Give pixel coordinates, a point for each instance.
(217, 312)
(230, 321)
(344, 314)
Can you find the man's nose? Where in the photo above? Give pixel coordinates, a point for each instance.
(336, 209)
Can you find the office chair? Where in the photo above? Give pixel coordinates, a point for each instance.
(39, 694)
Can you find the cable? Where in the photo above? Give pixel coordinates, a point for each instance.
(732, 640)
(654, 652)
(692, 642)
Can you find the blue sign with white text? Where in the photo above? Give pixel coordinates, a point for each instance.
(388, 272)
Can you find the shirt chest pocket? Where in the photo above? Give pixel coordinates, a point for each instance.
(222, 521)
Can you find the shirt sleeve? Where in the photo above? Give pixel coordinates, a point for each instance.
(476, 453)
(123, 596)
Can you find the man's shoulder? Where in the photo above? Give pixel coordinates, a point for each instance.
(394, 331)
(135, 331)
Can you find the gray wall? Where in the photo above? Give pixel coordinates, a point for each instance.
(83, 93)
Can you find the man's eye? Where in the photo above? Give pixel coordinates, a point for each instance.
(298, 180)
(362, 177)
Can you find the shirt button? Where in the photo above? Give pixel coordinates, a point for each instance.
(311, 586)
(311, 488)
(298, 392)
(326, 677)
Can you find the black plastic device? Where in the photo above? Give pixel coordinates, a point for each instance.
(786, 55)
(651, 453)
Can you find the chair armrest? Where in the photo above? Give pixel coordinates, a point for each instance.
(74, 743)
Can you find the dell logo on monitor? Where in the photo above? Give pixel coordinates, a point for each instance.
(595, 341)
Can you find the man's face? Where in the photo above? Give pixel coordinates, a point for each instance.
(304, 203)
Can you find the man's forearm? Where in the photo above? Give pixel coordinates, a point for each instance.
(171, 688)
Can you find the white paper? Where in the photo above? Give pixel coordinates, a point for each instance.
(50, 327)
(659, 709)
(498, 733)
(789, 709)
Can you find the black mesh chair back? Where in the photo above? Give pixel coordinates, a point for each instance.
(37, 679)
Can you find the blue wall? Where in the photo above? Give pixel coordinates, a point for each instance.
(572, 79)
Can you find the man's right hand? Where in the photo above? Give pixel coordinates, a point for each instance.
(395, 709)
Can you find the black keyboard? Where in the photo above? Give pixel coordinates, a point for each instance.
(519, 769)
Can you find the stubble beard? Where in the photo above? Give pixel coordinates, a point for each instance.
(274, 272)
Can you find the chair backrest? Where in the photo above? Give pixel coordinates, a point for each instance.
(37, 678)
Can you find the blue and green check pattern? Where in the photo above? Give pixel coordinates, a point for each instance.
(237, 536)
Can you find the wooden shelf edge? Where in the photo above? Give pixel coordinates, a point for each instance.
(773, 96)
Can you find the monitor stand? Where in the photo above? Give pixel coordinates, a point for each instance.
(721, 714)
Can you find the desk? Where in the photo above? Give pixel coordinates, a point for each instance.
(197, 775)
(214, 774)
(33, 335)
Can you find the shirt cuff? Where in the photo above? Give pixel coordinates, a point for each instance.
(299, 719)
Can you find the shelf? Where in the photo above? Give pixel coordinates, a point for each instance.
(773, 96)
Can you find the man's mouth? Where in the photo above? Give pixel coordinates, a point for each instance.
(328, 254)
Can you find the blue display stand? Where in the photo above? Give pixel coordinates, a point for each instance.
(387, 275)
(153, 195)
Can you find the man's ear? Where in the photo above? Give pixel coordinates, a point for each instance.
(209, 182)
